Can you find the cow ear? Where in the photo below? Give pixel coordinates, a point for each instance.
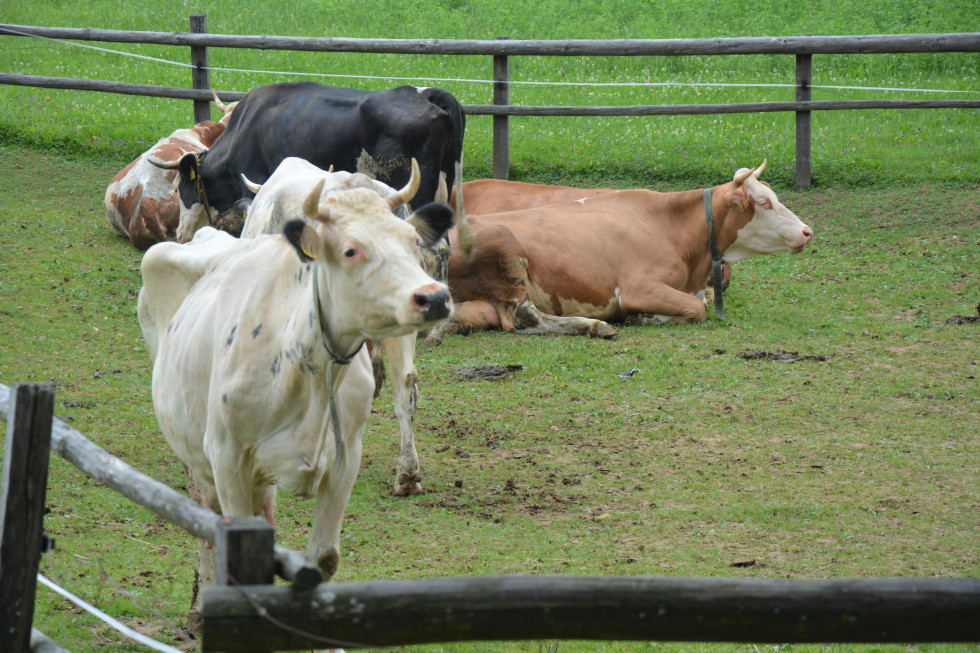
(187, 167)
(432, 221)
(303, 238)
(739, 196)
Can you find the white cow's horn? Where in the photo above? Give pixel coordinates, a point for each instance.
(405, 195)
(311, 205)
(758, 171)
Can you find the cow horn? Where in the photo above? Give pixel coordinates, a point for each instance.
(464, 234)
(740, 178)
(758, 171)
(160, 163)
(311, 205)
(251, 185)
(405, 195)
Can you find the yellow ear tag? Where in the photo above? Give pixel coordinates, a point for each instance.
(193, 174)
(306, 252)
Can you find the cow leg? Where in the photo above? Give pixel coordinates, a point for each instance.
(401, 358)
(661, 303)
(203, 494)
(531, 321)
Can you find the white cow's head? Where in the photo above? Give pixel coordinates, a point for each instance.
(368, 261)
(771, 227)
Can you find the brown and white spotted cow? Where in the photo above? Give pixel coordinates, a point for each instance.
(141, 202)
(634, 256)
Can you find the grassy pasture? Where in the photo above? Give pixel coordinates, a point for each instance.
(850, 148)
(703, 464)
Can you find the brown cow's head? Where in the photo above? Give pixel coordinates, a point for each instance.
(771, 227)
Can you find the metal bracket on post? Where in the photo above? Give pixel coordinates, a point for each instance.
(200, 75)
(501, 124)
(25, 480)
(804, 80)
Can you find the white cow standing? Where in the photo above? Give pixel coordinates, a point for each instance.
(251, 337)
(275, 201)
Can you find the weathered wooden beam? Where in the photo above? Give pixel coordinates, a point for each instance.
(804, 79)
(709, 109)
(154, 495)
(25, 481)
(400, 613)
(200, 74)
(243, 551)
(501, 123)
(511, 109)
(866, 44)
(294, 567)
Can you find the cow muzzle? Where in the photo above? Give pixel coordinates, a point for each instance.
(805, 237)
(432, 303)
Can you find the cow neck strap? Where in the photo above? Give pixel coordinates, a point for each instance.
(199, 187)
(337, 360)
(716, 258)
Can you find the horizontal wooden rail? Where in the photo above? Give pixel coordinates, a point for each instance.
(400, 613)
(509, 109)
(157, 497)
(867, 44)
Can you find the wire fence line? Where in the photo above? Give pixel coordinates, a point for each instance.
(502, 108)
(512, 82)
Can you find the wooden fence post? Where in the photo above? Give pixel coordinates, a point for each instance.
(25, 480)
(243, 551)
(501, 124)
(804, 78)
(200, 75)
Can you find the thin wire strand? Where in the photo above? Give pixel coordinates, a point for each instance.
(490, 81)
(122, 628)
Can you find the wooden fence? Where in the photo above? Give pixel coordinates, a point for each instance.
(801, 47)
(246, 612)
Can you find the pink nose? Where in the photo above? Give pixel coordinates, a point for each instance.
(807, 234)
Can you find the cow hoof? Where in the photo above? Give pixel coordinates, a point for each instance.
(431, 341)
(195, 622)
(603, 330)
(406, 489)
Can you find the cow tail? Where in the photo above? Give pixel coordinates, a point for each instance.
(464, 235)
(377, 365)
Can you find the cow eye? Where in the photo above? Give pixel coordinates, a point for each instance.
(350, 252)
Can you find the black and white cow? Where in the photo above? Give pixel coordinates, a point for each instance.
(377, 133)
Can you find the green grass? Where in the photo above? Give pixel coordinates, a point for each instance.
(860, 465)
(850, 148)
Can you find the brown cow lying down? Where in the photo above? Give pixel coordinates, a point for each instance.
(141, 202)
(634, 256)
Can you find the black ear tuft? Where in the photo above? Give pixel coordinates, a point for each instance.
(432, 221)
(293, 230)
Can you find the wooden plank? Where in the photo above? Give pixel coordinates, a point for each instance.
(109, 470)
(243, 551)
(859, 44)
(501, 123)
(401, 613)
(200, 75)
(513, 110)
(804, 68)
(25, 480)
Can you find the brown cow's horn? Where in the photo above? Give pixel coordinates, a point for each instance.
(160, 163)
(405, 195)
(311, 205)
(742, 177)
